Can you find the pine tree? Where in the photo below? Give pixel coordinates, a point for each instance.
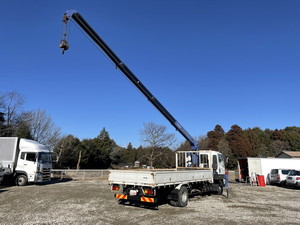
(238, 142)
(254, 142)
(104, 135)
(214, 137)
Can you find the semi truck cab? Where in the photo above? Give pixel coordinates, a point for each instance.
(25, 160)
(37, 166)
(34, 163)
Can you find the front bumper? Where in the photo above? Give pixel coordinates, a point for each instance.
(42, 177)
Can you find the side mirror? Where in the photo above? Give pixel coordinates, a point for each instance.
(55, 157)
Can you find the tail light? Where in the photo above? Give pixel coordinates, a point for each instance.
(115, 187)
(297, 178)
(149, 191)
(278, 177)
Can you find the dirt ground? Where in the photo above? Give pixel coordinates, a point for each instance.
(92, 202)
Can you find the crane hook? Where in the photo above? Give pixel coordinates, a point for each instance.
(64, 45)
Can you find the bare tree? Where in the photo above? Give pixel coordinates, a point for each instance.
(42, 128)
(10, 105)
(154, 135)
(156, 138)
(278, 146)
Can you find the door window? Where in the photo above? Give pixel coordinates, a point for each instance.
(31, 157)
(221, 159)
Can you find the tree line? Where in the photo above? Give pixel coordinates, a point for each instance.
(70, 152)
(158, 145)
(251, 142)
(103, 152)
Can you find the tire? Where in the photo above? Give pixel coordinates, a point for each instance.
(21, 180)
(220, 189)
(283, 183)
(173, 203)
(183, 197)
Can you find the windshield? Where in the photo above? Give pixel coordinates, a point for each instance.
(44, 157)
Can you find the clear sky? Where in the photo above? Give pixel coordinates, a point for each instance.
(208, 62)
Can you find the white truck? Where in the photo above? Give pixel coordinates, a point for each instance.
(25, 160)
(196, 172)
(249, 167)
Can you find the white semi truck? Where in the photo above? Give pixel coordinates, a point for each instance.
(196, 171)
(25, 160)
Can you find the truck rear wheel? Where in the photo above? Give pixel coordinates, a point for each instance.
(183, 197)
(173, 203)
(21, 180)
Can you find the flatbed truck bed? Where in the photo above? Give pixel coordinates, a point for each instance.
(158, 178)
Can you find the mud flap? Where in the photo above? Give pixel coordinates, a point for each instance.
(173, 195)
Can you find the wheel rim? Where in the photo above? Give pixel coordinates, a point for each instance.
(21, 180)
(184, 196)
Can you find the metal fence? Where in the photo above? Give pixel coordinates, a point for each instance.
(79, 174)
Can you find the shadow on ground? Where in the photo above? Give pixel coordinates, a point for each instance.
(52, 181)
(55, 181)
(2, 190)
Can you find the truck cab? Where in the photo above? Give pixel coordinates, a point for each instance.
(24, 160)
(34, 163)
(202, 159)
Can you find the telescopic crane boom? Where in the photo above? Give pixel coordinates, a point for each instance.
(73, 14)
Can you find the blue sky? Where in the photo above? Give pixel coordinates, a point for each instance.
(208, 62)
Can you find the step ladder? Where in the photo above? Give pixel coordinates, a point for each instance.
(253, 180)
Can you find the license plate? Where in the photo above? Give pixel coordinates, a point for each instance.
(133, 192)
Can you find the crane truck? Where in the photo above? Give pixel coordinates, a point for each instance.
(196, 171)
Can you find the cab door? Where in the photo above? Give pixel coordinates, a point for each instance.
(221, 162)
(27, 162)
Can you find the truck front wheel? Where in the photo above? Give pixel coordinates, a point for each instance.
(183, 197)
(21, 180)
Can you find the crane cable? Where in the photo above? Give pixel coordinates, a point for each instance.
(64, 45)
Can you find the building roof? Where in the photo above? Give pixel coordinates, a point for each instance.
(292, 154)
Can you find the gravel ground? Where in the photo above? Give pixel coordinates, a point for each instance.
(92, 202)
